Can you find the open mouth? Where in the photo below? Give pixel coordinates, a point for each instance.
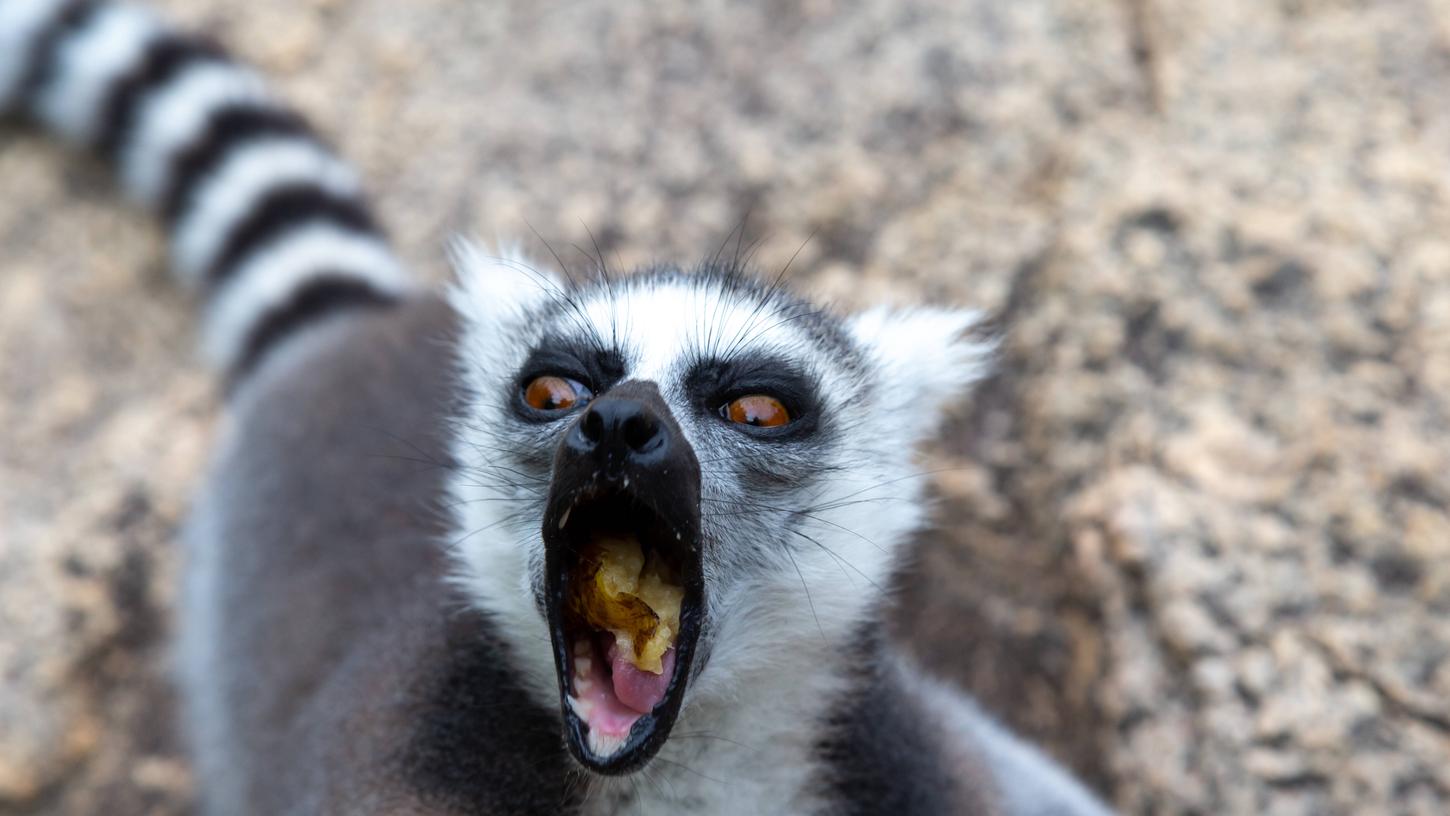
(624, 591)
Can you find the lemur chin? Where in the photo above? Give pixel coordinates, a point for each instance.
(534, 546)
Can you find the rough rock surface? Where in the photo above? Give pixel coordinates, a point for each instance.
(1193, 536)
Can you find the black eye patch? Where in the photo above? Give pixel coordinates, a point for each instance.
(713, 384)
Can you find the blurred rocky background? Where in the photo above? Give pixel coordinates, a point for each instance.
(1193, 536)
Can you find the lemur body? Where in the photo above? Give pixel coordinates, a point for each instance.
(362, 632)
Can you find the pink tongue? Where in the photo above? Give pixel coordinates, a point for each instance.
(636, 688)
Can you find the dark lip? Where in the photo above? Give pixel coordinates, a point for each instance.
(564, 528)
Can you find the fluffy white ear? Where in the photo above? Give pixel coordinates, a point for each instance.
(494, 287)
(492, 294)
(927, 360)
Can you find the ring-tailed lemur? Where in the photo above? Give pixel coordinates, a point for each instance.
(685, 461)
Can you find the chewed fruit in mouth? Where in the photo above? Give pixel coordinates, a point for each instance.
(634, 598)
(625, 594)
(625, 605)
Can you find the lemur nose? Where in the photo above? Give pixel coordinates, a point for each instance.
(624, 426)
(628, 439)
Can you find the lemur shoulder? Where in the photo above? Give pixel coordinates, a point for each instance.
(645, 576)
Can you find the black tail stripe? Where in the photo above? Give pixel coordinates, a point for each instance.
(40, 69)
(286, 208)
(326, 293)
(227, 127)
(165, 58)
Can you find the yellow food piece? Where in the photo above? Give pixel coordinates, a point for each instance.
(636, 601)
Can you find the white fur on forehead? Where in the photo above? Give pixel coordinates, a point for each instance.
(926, 357)
(660, 321)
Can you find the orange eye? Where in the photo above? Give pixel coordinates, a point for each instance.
(554, 394)
(759, 410)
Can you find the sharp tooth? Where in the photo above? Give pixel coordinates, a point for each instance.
(564, 519)
(604, 746)
(583, 684)
(581, 708)
(582, 666)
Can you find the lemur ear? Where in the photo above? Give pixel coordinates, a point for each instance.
(927, 360)
(494, 287)
(492, 294)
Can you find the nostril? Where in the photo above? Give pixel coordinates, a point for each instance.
(640, 431)
(592, 426)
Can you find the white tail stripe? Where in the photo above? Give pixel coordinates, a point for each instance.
(114, 40)
(271, 275)
(248, 173)
(20, 22)
(174, 116)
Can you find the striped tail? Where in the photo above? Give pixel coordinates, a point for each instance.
(264, 221)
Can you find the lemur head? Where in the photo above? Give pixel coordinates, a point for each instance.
(672, 482)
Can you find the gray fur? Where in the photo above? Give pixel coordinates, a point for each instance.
(322, 639)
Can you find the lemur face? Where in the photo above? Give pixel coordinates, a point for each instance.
(672, 483)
